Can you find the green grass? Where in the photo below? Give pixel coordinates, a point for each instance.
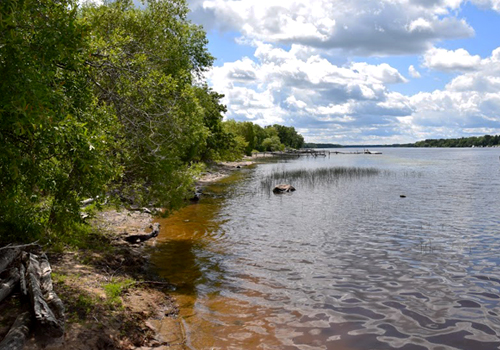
(313, 177)
(114, 291)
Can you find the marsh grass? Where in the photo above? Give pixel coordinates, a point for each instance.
(314, 177)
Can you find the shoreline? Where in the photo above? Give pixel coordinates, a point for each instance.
(222, 170)
(112, 298)
(142, 315)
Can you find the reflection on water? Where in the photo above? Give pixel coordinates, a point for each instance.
(343, 265)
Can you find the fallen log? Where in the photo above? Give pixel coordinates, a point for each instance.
(22, 280)
(44, 316)
(7, 257)
(8, 285)
(15, 339)
(46, 287)
(142, 238)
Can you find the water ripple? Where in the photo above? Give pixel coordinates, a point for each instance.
(347, 264)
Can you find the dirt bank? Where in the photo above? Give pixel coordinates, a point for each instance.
(111, 299)
(219, 171)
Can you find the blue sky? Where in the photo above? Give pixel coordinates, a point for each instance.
(358, 71)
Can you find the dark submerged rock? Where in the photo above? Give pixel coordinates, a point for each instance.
(283, 188)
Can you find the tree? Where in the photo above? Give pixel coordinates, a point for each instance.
(273, 144)
(289, 137)
(53, 135)
(217, 142)
(144, 65)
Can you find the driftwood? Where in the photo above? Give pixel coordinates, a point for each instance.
(46, 287)
(44, 316)
(32, 273)
(142, 238)
(8, 285)
(15, 339)
(141, 209)
(7, 257)
(87, 202)
(22, 280)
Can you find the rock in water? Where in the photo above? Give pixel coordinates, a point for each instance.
(283, 188)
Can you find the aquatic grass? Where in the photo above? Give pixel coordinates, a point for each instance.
(313, 177)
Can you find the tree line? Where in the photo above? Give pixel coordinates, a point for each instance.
(107, 99)
(476, 141)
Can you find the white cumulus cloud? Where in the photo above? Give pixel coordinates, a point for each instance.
(361, 27)
(449, 60)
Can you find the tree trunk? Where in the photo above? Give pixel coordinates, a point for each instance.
(7, 256)
(8, 285)
(15, 339)
(43, 314)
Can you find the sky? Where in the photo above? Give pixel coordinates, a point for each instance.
(357, 71)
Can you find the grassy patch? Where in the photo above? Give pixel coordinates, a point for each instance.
(114, 291)
(84, 305)
(313, 177)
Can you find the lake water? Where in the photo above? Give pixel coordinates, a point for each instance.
(346, 264)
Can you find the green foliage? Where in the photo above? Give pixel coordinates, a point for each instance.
(289, 137)
(53, 136)
(273, 144)
(321, 145)
(84, 305)
(271, 138)
(218, 142)
(143, 64)
(481, 141)
(101, 100)
(114, 291)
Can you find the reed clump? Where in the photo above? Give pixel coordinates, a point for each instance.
(313, 177)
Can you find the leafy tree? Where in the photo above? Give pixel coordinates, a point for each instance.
(218, 141)
(239, 145)
(289, 136)
(53, 134)
(260, 136)
(273, 144)
(144, 65)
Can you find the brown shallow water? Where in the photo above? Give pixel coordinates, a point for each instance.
(346, 264)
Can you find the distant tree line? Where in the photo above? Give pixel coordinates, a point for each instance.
(321, 145)
(476, 141)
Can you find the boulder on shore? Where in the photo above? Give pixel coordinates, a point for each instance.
(283, 188)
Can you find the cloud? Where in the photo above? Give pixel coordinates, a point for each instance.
(489, 4)
(311, 93)
(413, 72)
(470, 102)
(303, 74)
(353, 103)
(361, 27)
(450, 61)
